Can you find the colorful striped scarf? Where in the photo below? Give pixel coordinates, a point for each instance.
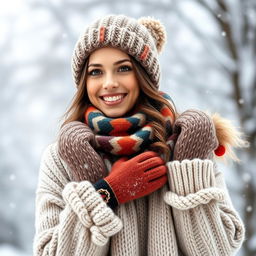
(124, 135)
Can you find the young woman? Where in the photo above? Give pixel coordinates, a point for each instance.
(128, 175)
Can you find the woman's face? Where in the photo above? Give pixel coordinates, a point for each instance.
(112, 86)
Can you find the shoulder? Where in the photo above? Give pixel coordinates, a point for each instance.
(52, 166)
(50, 155)
(49, 151)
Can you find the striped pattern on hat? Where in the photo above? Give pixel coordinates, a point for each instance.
(143, 39)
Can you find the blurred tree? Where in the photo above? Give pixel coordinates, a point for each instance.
(37, 86)
(236, 21)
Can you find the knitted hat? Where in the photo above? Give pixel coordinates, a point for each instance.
(143, 39)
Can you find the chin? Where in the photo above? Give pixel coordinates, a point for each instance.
(113, 114)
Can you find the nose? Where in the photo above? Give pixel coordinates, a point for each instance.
(110, 82)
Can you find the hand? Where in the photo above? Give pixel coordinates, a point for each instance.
(133, 178)
(76, 147)
(197, 136)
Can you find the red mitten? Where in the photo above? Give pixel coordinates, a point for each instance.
(132, 179)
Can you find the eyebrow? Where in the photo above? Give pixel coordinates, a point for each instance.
(116, 63)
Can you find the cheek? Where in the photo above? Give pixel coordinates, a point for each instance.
(135, 87)
(136, 95)
(132, 83)
(91, 90)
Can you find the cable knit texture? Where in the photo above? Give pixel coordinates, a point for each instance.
(143, 39)
(192, 215)
(92, 211)
(196, 187)
(72, 219)
(197, 136)
(75, 146)
(79, 143)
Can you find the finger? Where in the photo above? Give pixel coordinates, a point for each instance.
(145, 155)
(159, 182)
(156, 173)
(152, 162)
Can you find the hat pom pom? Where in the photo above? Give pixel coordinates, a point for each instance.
(156, 29)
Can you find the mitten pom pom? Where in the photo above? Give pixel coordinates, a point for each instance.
(220, 150)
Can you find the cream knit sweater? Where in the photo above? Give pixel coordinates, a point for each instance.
(191, 216)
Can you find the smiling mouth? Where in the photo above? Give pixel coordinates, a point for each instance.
(115, 99)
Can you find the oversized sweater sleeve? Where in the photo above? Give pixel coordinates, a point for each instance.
(71, 217)
(205, 220)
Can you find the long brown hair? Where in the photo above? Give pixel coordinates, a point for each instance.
(150, 102)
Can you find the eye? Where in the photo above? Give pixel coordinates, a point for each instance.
(125, 68)
(94, 72)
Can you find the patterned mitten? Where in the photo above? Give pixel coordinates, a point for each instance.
(197, 136)
(75, 147)
(132, 179)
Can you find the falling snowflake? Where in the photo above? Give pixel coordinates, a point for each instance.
(241, 101)
(249, 208)
(223, 33)
(246, 177)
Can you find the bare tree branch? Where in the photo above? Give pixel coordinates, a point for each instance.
(203, 38)
(244, 110)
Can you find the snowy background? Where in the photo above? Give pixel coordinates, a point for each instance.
(209, 63)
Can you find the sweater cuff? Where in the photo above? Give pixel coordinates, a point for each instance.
(190, 176)
(192, 182)
(92, 211)
(106, 192)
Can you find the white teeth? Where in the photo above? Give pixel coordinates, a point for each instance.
(115, 98)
